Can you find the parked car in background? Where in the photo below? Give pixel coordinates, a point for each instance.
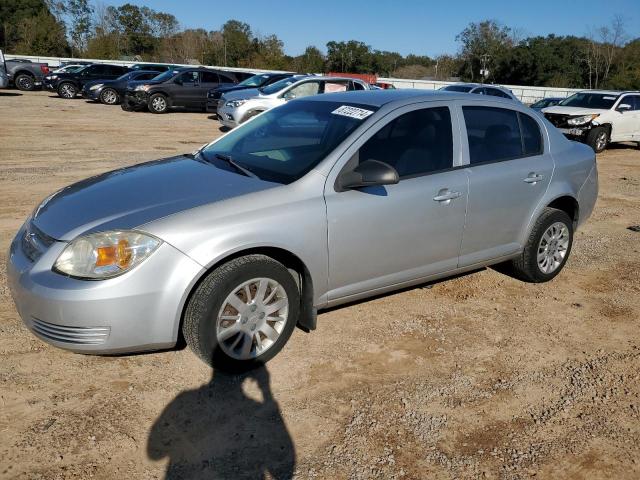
(69, 84)
(322, 201)
(70, 68)
(256, 81)
(4, 78)
(481, 89)
(235, 108)
(157, 67)
(599, 117)
(546, 102)
(182, 87)
(111, 92)
(24, 74)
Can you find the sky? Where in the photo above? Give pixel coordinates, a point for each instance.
(404, 26)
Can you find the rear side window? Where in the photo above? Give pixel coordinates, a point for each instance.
(531, 136)
(415, 143)
(495, 134)
(209, 77)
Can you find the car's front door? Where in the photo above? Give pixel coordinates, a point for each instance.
(510, 167)
(627, 124)
(396, 234)
(185, 89)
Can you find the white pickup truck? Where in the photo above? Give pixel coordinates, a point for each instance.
(598, 117)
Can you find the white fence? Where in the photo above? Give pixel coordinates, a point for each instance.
(526, 94)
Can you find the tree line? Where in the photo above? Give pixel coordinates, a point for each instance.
(603, 58)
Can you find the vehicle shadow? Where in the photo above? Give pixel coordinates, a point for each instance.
(218, 432)
(10, 94)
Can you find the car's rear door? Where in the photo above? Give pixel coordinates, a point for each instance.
(185, 89)
(510, 168)
(384, 236)
(208, 80)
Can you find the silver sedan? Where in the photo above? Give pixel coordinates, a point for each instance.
(319, 202)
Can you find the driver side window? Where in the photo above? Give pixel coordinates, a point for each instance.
(415, 143)
(189, 77)
(304, 90)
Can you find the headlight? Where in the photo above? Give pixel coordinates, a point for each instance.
(53, 77)
(584, 119)
(106, 254)
(235, 103)
(141, 88)
(96, 87)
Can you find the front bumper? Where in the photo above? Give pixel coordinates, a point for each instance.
(91, 94)
(575, 132)
(136, 100)
(228, 116)
(139, 310)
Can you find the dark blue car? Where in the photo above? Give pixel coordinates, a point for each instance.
(111, 92)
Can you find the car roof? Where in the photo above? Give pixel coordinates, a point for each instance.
(609, 92)
(378, 98)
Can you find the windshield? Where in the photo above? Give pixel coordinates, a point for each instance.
(276, 87)
(602, 101)
(254, 81)
(166, 75)
(458, 88)
(283, 144)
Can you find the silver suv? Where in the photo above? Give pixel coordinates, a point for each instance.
(319, 202)
(237, 107)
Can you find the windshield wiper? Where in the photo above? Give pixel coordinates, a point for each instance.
(236, 165)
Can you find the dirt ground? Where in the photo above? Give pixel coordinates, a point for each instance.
(477, 377)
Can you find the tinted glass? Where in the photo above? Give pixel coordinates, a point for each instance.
(531, 136)
(279, 85)
(479, 91)
(147, 76)
(255, 81)
(632, 100)
(590, 100)
(166, 75)
(283, 144)
(496, 93)
(415, 143)
(493, 133)
(101, 70)
(457, 88)
(226, 78)
(209, 77)
(190, 77)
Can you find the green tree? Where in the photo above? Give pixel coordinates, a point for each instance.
(79, 13)
(483, 45)
(237, 43)
(29, 27)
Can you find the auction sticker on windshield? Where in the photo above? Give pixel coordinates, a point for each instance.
(352, 112)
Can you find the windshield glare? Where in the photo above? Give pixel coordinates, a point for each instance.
(279, 85)
(602, 101)
(254, 81)
(283, 144)
(166, 75)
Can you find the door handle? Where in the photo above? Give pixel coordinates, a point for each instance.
(445, 196)
(533, 178)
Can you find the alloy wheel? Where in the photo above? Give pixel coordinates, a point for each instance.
(68, 91)
(553, 247)
(109, 97)
(159, 104)
(25, 83)
(601, 141)
(252, 318)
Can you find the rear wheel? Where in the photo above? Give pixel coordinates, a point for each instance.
(598, 138)
(242, 314)
(158, 103)
(67, 90)
(547, 249)
(109, 96)
(25, 82)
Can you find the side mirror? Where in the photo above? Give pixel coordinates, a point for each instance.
(369, 173)
(623, 107)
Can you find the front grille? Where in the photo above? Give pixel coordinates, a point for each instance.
(35, 242)
(71, 335)
(558, 120)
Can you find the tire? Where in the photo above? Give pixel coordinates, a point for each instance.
(246, 326)
(109, 96)
(598, 139)
(67, 90)
(528, 266)
(25, 82)
(126, 107)
(158, 103)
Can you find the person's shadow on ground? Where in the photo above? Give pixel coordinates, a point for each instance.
(217, 432)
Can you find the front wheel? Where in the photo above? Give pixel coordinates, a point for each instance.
(547, 249)
(67, 90)
(598, 138)
(158, 103)
(109, 96)
(242, 314)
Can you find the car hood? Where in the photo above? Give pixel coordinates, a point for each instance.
(243, 94)
(557, 109)
(233, 88)
(133, 196)
(134, 83)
